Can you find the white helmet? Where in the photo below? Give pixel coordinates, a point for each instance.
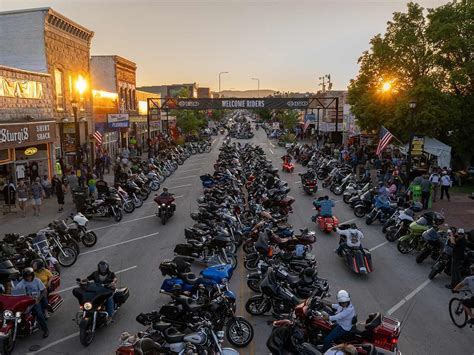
(343, 296)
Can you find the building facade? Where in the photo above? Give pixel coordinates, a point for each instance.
(174, 90)
(42, 41)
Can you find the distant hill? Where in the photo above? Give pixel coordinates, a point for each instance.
(247, 93)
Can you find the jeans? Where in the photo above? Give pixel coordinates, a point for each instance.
(334, 335)
(38, 312)
(456, 276)
(44, 303)
(109, 306)
(444, 190)
(425, 197)
(341, 247)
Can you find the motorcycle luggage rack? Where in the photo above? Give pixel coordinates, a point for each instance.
(390, 325)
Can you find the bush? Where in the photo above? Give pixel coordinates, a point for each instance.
(180, 140)
(288, 138)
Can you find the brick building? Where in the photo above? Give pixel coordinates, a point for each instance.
(44, 41)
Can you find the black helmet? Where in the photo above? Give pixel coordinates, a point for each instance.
(103, 267)
(27, 271)
(37, 264)
(353, 226)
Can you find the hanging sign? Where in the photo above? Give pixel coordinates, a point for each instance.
(31, 151)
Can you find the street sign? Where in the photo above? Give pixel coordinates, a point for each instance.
(235, 103)
(118, 120)
(417, 145)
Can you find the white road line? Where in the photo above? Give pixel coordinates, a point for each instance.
(120, 223)
(408, 297)
(378, 246)
(271, 151)
(184, 177)
(54, 343)
(337, 201)
(213, 141)
(271, 144)
(117, 244)
(177, 187)
(297, 182)
(349, 221)
(187, 171)
(116, 272)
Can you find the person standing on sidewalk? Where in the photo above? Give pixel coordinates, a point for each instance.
(72, 180)
(60, 190)
(425, 191)
(445, 185)
(435, 180)
(459, 243)
(46, 186)
(38, 193)
(22, 192)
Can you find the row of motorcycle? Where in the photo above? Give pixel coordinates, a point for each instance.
(201, 312)
(133, 188)
(404, 222)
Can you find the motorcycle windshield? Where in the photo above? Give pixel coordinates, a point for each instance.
(93, 293)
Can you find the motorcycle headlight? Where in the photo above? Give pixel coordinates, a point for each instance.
(18, 314)
(163, 205)
(7, 315)
(87, 306)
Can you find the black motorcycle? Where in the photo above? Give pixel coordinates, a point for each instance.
(92, 298)
(108, 207)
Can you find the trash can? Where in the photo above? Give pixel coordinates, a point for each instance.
(416, 192)
(79, 196)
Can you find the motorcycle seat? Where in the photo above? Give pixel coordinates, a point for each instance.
(172, 335)
(161, 326)
(293, 279)
(189, 278)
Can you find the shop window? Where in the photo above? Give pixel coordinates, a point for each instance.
(59, 86)
(134, 100)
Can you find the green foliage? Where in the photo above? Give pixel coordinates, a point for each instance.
(264, 113)
(289, 118)
(288, 138)
(190, 121)
(217, 115)
(427, 60)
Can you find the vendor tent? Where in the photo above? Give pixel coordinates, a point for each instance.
(438, 149)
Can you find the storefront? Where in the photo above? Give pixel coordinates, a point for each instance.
(26, 150)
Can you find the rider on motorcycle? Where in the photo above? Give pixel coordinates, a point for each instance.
(165, 193)
(286, 158)
(45, 276)
(105, 276)
(468, 304)
(344, 315)
(309, 175)
(350, 237)
(324, 205)
(32, 286)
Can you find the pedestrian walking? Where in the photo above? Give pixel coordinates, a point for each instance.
(38, 193)
(459, 243)
(72, 180)
(60, 191)
(445, 185)
(92, 185)
(425, 191)
(22, 192)
(46, 186)
(435, 180)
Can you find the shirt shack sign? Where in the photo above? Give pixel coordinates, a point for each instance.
(26, 134)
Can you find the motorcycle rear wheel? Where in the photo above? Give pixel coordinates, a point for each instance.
(68, 258)
(359, 211)
(239, 332)
(89, 239)
(118, 215)
(404, 246)
(257, 305)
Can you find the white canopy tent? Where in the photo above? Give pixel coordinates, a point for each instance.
(435, 147)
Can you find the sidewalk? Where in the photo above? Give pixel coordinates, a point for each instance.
(459, 212)
(15, 223)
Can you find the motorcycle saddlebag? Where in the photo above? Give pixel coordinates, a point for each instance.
(121, 295)
(170, 312)
(184, 249)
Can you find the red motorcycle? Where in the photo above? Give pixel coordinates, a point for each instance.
(288, 166)
(18, 321)
(166, 207)
(326, 224)
(308, 325)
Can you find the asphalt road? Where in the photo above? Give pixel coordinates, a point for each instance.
(136, 246)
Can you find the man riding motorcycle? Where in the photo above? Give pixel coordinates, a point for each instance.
(350, 237)
(105, 276)
(45, 276)
(468, 303)
(325, 206)
(165, 193)
(32, 286)
(309, 175)
(345, 313)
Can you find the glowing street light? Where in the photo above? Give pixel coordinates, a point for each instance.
(81, 85)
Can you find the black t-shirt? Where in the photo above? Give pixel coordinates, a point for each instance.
(103, 279)
(459, 248)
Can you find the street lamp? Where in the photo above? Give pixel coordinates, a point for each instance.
(412, 106)
(222, 72)
(81, 86)
(258, 86)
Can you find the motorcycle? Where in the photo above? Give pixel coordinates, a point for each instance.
(166, 207)
(92, 315)
(358, 259)
(401, 226)
(18, 320)
(310, 186)
(104, 208)
(413, 240)
(288, 166)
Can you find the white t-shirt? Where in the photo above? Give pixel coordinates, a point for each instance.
(353, 237)
(445, 180)
(20, 171)
(434, 179)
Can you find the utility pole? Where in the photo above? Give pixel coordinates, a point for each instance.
(323, 84)
(222, 72)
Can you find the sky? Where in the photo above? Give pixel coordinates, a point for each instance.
(287, 44)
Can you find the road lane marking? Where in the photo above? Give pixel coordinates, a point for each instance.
(271, 144)
(116, 272)
(213, 141)
(193, 164)
(349, 221)
(408, 297)
(378, 246)
(50, 345)
(271, 151)
(184, 177)
(120, 243)
(177, 187)
(120, 223)
(297, 182)
(187, 171)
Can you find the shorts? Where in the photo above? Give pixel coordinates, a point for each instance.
(36, 201)
(22, 199)
(468, 302)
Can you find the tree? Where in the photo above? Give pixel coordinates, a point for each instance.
(190, 121)
(422, 59)
(289, 118)
(264, 113)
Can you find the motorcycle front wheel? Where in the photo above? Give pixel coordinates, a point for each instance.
(435, 270)
(129, 207)
(155, 185)
(67, 257)
(231, 259)
(239, 332)
(89, 239)
(346, 198)
(254, 284)
(359, 211)
(257, 305)
(404, 246)
(86, 335)
(164, 218)
(7, 344)
(118, 215)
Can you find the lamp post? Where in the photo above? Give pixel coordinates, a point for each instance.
(222, 72)
(258, 86)
(317, 126)
(74, 104)
(412, 105)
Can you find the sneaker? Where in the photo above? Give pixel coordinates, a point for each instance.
(46, 314)
(46, 333)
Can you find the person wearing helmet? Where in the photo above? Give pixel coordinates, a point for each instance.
(165, 193)
(103, 275)
(45, 276)
(350, 237)
(32, 286)
(343, 317)
(468, 303)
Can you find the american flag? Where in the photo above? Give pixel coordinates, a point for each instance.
(385, 137)
(306, 125)
(98, 137)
